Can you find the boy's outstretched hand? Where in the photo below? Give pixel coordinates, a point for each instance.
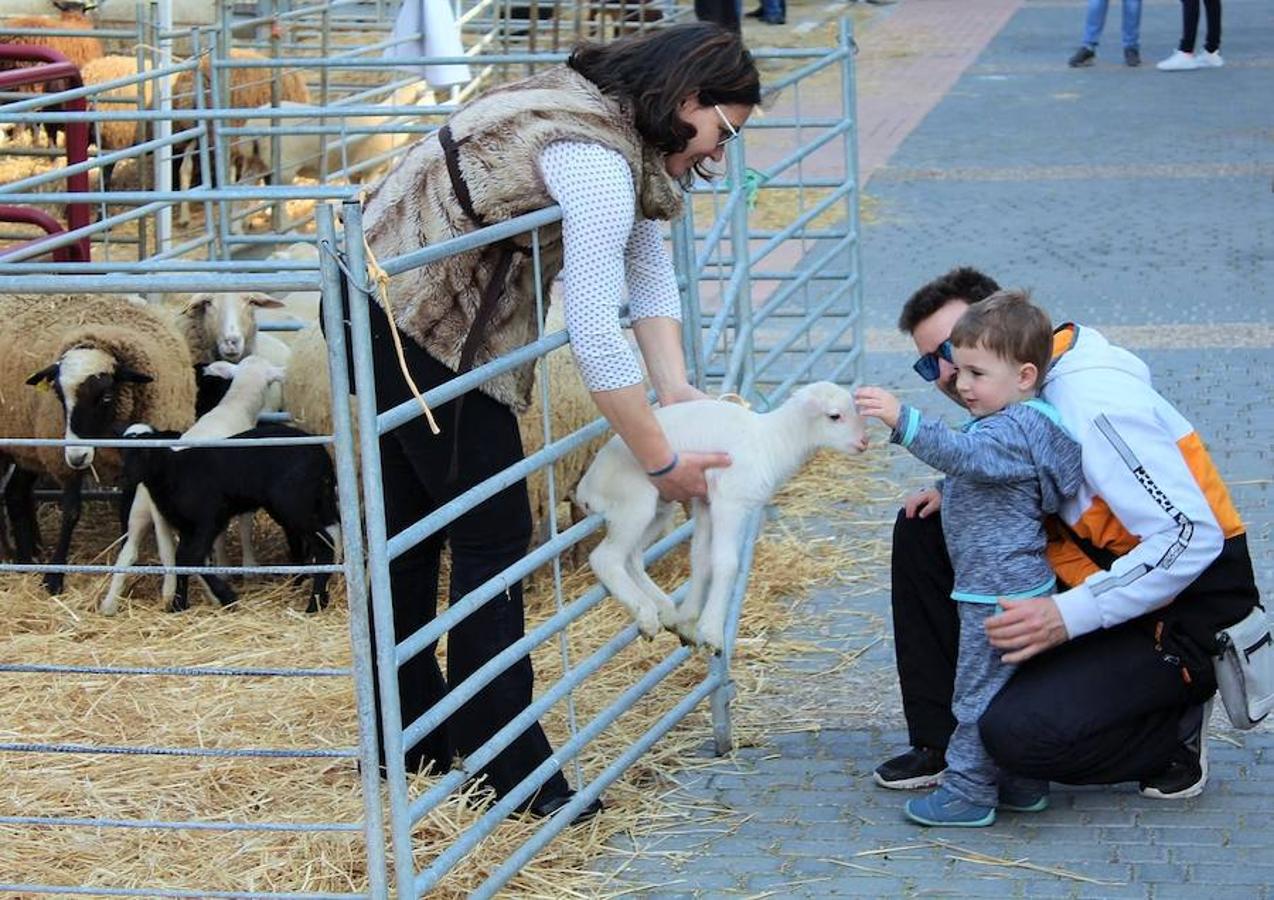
(879, 404)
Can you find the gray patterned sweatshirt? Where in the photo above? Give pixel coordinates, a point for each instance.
(1005, 473)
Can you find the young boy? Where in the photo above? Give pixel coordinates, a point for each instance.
(1009, 467)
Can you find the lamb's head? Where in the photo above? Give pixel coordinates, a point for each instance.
(832, 418)
(227, 322)
(87, 380)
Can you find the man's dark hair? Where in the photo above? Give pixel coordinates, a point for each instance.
(1009, 325)
(654, 72)
(965, 283)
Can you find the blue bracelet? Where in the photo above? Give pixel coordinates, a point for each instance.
(658, 473)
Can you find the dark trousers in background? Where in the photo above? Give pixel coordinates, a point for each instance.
(1097, 710)
(484, 541)
(1190, 25)
(724, 12)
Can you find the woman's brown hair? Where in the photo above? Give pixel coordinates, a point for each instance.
(654, 72)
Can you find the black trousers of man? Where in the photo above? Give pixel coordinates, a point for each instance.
(1100, 709)
(724, 12)
(484, 541)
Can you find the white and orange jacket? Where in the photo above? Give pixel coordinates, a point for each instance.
(1152, 502)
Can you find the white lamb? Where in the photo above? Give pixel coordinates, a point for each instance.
(766, 450)
(237, 412)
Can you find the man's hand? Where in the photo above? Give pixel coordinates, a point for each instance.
(879, 404)
(923, 503)
(1026, 628)
(689, 479)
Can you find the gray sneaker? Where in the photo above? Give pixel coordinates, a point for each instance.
(1084, 56)
(1132, 57)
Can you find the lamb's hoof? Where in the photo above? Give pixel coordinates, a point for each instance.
(649, 627)
(685, 632)
(711, 638)
(178, 605)
(53, 582)
(318, 602)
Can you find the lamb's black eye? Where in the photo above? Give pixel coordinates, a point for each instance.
(835, 417)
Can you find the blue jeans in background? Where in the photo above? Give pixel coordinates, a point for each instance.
(1095, 21)
(774, 9)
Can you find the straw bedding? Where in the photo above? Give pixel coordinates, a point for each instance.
(268, 630)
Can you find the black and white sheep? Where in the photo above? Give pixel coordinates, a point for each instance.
(80, 366)
(236, 411)
(200, 489)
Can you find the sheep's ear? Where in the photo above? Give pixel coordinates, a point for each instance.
(47, 375)
(263, 301)
(198, 303)
(221, 369)
(125, 375)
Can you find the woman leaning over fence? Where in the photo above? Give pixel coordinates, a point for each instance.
(612, 137)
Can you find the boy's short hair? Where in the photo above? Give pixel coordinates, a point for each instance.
(965, 283)
(1009, 325)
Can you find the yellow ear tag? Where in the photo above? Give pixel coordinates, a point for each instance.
(43, 386)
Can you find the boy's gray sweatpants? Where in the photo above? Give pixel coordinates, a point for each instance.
(971, 774)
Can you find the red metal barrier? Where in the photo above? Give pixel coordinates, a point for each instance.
(29, 215)
(52, 67)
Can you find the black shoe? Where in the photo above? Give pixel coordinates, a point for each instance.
(756, 13)
(543, 807)
(774, 20)
(917, 768)
(1187, 772)
(1084, 56)
(1132, 57)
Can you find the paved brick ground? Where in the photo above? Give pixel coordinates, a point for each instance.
(1132, 200)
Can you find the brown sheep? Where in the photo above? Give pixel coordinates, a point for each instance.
(116, 134)
(249, 89)
(79, 50)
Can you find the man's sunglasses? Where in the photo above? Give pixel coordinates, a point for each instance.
(928, 367)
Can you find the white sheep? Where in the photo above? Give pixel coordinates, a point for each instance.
(300, 154)
(102, 363)
(765, 449)
(237, 412)
(224, 326)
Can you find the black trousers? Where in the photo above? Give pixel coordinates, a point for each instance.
(724, 12)
(1100, 709)
(484, 541)
(1190, 25)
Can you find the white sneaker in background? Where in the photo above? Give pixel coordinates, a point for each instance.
(1178, 62)
(1208, 60)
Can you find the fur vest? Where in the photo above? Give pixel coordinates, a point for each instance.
(499, 137)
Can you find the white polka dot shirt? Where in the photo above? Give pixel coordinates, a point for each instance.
(608, 257)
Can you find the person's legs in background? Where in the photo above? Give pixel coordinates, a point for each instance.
(1094, 22)
(1131, 32)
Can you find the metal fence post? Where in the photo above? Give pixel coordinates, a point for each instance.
(360, 312)
(355, 565)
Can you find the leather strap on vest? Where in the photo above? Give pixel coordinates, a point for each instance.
(490, 294)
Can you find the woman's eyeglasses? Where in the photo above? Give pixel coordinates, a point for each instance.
(724, 138)
(928, 367)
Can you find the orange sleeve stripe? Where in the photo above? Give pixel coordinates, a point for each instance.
(1209, 481)
(1069, 562)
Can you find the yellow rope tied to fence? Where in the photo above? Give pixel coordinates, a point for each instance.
(381, 279)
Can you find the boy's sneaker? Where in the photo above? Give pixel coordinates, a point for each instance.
(919, 767)
(1021, 802)
(1084, 56)
(1187, 773)
(1179, 61)
(1132, 57)
(944, 808)
(1211, 60)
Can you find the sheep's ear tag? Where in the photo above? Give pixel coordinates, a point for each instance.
(43, 379)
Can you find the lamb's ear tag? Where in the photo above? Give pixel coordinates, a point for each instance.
(43, 386)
